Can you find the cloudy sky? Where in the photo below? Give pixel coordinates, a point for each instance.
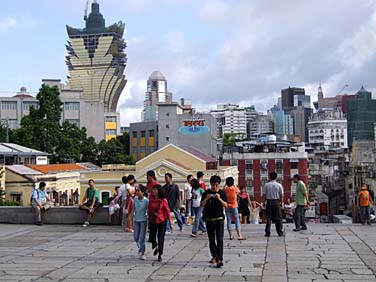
(211, 51)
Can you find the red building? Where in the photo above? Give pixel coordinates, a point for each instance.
(255, 160)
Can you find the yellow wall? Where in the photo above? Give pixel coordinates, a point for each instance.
(142, 142)
(151, 141)
(111, 125)
(109, 137)
(171, 152)
(134, 142)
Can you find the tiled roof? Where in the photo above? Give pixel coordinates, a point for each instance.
(57, 167)
(199, 154)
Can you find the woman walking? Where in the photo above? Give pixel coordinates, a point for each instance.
(244, 204)
(141, 204)
(159, 214)
(129, 202)
(197, 193)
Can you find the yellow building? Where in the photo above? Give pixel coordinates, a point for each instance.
(175, 160)
(20, 181)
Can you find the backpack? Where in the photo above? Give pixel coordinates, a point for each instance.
(31, 198)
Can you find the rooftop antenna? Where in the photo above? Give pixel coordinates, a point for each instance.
(86, 9)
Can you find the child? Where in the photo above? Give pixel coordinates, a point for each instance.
(141, 203)
(255, 212)
(182, 213)
(114, 205)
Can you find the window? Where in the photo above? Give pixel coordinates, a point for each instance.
(168, 114)
(249, 167)
(293, 165)
(143, 134)
(234, 162)
(27, 105)
(76, 122)
(110, 119)
(110, 131)
(12, 123)
(279, 166)
(264, 167)
(16, 197)
(167, 126)
(151, 133)
(71, 106)
(134, 134)
(9, 106)
(105, 198)
(167, 138)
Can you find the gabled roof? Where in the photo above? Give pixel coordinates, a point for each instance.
(23, 170)
(15, 149)
(201, 157)
(57, 168)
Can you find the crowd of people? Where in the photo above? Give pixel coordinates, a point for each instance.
(147, 209)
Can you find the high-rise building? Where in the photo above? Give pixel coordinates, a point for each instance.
(328, 102)
(283, 123)
(156, 93)
(288, 95)
(230, 119)
(361, 116)
(298, 105)
(327, 129)
(96, 61)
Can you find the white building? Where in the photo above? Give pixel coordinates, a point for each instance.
(327, 128)
(230, 119)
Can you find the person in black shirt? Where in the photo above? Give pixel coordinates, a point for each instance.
(174, 200)
(214, 201)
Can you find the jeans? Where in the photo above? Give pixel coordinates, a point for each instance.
(273, 212)
(188, 208)
(215, 235)
(197, 213)
(300, 217)
(139, 235)
(157, 235)
(365, 213)
(178, 219)
(235, 213)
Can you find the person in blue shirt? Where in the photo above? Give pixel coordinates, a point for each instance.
(40, 202)
(141, 204)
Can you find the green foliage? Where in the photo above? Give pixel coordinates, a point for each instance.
(4, 202)
(229, 139)
(41, 130)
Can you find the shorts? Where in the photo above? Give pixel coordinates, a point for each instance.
(113, 209)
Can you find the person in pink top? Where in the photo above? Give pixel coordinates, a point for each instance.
(151, 180)
(158, 214)
(232, 207)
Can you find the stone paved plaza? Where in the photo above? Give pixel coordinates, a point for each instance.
(106, 254)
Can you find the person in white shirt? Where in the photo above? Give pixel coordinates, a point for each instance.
(188, 199)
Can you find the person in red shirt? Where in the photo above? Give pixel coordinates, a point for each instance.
(200, 178)
(158, 214)
(232, 207)
(151, 180)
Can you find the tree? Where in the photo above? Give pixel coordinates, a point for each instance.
(89, 150)
(124, 140)
(70, 143)
(229, 139)
(112, 152)
(40, 129)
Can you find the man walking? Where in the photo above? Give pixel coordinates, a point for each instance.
(273, 194)
(365, 201)
(174, 200)
(301, 200)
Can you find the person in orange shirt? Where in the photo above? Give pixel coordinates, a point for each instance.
(232, 207)
(365, 201)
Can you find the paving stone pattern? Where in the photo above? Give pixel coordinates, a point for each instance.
(107, 254)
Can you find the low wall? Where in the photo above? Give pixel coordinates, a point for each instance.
(55, 215)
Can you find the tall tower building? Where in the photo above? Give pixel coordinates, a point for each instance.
(156, 93)
(96, 61)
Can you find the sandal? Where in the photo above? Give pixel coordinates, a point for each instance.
(232, 238)
(242, 238)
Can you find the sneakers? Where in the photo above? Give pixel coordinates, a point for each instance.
(86, 224)
(296, 229)
(193, 235)
(168, 232)
(142, 257)
(40, 223)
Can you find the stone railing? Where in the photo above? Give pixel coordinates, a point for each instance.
(55, 215)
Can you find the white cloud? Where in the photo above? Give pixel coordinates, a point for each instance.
(20, 22)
